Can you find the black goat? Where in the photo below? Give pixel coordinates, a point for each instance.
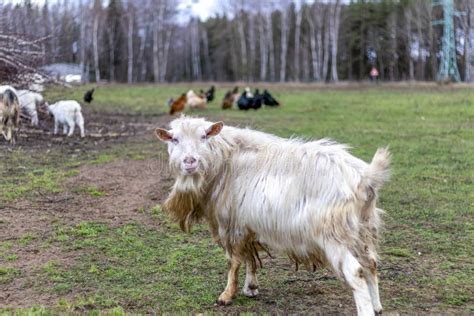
(88, 95)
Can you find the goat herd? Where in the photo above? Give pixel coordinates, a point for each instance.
(245, 101)
(15, 103)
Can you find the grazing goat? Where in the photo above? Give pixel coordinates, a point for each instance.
(68, 113)
(230, 98)
(88, 95)
(9, 113)
(179, 104)
(29, 102)
(210, 94)
(313, 201)
(195, 101)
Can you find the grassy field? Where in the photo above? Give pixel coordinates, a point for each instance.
(80, 234)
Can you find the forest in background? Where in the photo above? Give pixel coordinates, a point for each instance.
(249, 40)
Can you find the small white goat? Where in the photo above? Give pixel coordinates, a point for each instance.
(68, 113)
(29, 101)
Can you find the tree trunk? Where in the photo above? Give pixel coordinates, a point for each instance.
(111, 56)
(335, 17)
(207, 62)
(263, 48)
(319, 42)
(96, 47)
(411, 67)
(284, 43)
(252, 44)
(195, 51)
(141, 56)
(165, 54)
(326, 53)
(231, 54)
(271, 48)
(156, 62)
(299, 16)
(82, 44)
(243, 46)
(314, 52)
(130, 45)
(305, 62)
(421, 44)
(393, 46)
(468, 29)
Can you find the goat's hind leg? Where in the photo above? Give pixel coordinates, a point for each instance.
(251, 283)
(232, 279)
(373, 284)
(346, 265)
(71, 125)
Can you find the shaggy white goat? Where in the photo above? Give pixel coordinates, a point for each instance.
(311, 200)
(195, 101)
(29, 101)
(68, 113)
(9, 113)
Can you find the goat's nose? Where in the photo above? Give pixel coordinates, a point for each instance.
(189, 160)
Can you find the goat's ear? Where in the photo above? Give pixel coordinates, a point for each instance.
(214, 129)
(163, 135)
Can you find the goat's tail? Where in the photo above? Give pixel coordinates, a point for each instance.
(378, 171)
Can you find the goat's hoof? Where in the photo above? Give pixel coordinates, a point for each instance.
(250, 292)
(224, 299)
(222, 302)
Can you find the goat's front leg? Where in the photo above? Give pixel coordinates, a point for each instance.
(55, 127)
(232, 279)
(251, 283)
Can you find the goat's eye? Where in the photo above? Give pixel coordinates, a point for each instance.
(175, 141)
(203, 137)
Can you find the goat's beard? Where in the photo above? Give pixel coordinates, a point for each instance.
(183, 203)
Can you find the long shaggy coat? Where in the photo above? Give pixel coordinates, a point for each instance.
(313, 201)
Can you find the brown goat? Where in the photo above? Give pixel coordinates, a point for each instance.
(179, 104)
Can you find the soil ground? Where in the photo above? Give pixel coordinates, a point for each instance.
(92, 237)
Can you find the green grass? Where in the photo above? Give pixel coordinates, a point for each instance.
(427, 250)
(94, 192)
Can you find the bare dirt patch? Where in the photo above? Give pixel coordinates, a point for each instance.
(101, 128)
(111, 193)
(127, 188)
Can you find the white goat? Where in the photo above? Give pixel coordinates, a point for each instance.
(311, 200)
(29, 101)
(194, 101)
(68, 113)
